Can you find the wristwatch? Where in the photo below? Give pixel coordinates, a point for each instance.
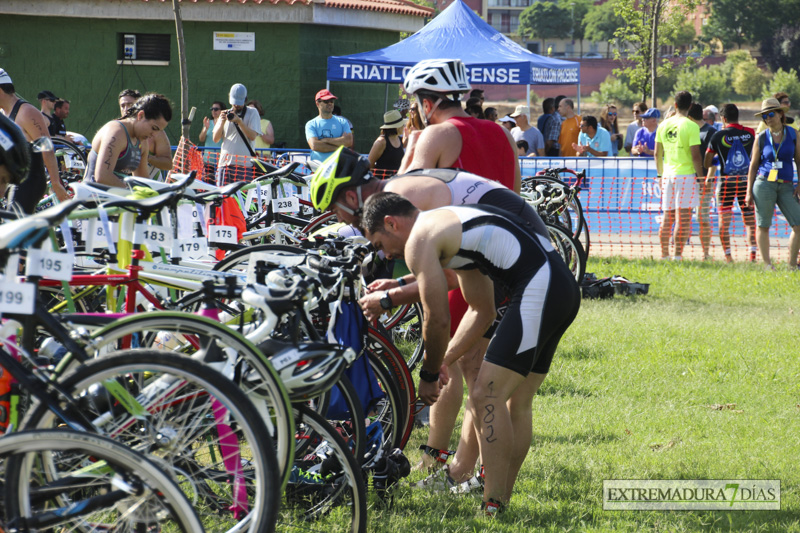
(401, 282)
(428, 377)
(386, 301)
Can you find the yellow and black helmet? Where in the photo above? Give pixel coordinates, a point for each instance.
(344, 168)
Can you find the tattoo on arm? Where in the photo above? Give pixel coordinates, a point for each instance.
(109, 152)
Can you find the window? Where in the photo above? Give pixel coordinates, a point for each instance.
(143, 48)
(533, 47)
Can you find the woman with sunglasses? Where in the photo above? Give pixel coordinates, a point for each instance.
(770, 179)
(608, 119)
(211, 153)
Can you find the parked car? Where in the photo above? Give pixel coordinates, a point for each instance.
(593, 55)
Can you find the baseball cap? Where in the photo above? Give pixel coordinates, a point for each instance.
(507, 118)
(651, 113)
(325, 94)
(4, 77)
(238, 94)
(46, 95)
(521, 110)
(711, 108)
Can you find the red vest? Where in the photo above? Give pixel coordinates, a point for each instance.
(485, 150)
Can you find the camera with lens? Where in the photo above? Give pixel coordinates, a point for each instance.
(230, 115)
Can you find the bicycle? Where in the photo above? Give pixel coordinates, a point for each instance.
(98, 484)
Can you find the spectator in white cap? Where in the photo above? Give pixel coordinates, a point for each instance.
(711, 117)
(525, 132)
(507, 122)
(236, 128)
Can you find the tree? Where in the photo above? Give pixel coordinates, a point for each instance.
(601, 23)
(614, 90)
(748, 80)
(708, 85)
(647, 24)
(782, 48)
(682, 35)
(784, 82)
(734, 22)
(577, 10)
(544, 20)
(772, 25)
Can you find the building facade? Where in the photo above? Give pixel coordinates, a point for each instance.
(87, 51)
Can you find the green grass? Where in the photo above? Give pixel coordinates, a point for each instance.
(628, 397)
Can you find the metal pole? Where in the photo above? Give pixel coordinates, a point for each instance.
(186, 121)
(386, 100)
(579, 98)
(528, 98)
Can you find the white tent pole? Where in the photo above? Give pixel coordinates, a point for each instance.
(528, 99)
(386, 99)
(328, 84)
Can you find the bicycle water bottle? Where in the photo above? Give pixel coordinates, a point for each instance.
(8, 332)
(5, 398)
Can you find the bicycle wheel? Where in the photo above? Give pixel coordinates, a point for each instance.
(569, 249)
(70, 158)
(390, 411)
(326, 492)
(319, 222)
(347, 415)
(211, 342)
(238, 260)
(194, 421)
(64, 480)
(567, 213)
(379, 345)
(407, 336)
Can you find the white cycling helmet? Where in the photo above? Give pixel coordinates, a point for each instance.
(438, 75)
(308, 369)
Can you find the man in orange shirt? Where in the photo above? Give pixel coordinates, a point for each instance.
(570, 127)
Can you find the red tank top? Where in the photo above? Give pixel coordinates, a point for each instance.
(485, 150)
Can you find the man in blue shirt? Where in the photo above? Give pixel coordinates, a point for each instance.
(327, 132)
(593, 140)
(644, 142)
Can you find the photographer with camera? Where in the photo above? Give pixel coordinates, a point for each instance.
(237, 128)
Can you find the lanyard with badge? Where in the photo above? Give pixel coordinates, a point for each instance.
(776, 165)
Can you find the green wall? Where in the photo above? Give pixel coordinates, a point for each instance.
(76, 59)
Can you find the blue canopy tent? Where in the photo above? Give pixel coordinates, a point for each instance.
(489, 56)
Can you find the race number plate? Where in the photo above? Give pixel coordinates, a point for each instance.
(154, 236)
(290, 204)
(51, 265)
(17, 298)
(222, 235)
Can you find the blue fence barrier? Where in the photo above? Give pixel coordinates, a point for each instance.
(621, 196)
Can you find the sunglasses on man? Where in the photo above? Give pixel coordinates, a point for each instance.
(765, 116)
(216, 109)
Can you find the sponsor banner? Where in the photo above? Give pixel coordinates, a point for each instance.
(479, 74)
(692, 495)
